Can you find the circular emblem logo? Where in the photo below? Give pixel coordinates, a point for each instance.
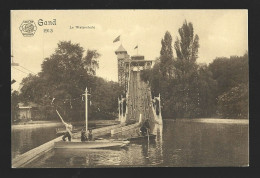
(28, 28)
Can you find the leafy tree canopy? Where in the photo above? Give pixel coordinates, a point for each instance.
(190, 90)
(64, 76)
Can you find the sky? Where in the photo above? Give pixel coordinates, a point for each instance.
(222, 33)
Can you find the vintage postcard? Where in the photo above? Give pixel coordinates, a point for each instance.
(129, 88)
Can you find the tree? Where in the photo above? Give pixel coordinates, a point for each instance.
(67, 72)
(104, 96)
(186, 71)
(177, 79)
(91, 61)
(207, 88)
(33, 89)
(153, 76)
(14, 105)
(234, 102)
(61, 77)
(166, 56)
(231, 75)
(187, 46)
(165, 71)
(64, 76)
(229, 72)
(198, 90)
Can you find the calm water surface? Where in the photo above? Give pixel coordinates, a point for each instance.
(179, 143)
(25, 139)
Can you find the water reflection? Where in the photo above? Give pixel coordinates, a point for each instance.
(179, 143)
(23, 140)
(205, 144)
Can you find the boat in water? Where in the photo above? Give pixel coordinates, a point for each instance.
(77, 143)
(97, 144)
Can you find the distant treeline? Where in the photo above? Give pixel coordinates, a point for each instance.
(64, 76)
(192, 90)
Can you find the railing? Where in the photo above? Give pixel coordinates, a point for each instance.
(158, 118)
(127, 93)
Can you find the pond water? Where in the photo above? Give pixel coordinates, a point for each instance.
(25, 139)
(179, 143)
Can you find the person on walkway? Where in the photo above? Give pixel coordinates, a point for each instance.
(68, 127)
(83, 135)
(90, 135)
(145, 129)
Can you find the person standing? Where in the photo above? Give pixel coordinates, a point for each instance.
(145, 129)
(68, 127)
(90, 135)
(83, 134)
(68, 131)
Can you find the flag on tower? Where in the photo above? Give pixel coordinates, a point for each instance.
(136, 47)
(117, 39)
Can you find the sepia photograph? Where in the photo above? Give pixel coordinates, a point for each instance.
(129, 88)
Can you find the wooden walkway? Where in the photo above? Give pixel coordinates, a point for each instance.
(21, 160)
(31, 155)
(139, 102)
